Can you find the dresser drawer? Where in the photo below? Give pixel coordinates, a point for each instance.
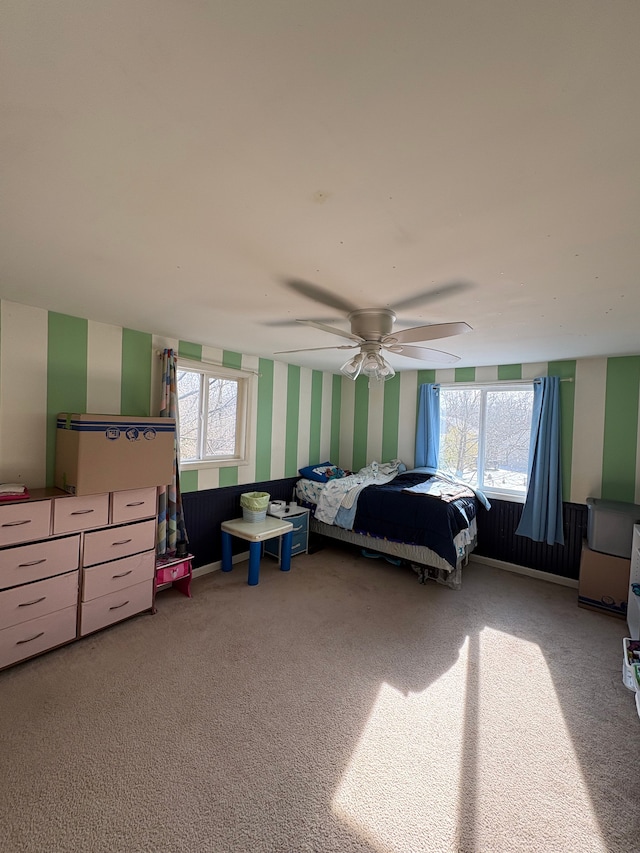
(298, 543)
(33, 600)
(27, 563)
(22, 522)
(299, 524)
(37, 635)
(133, 505)
(80, 513)
(299, 536)
(115, 606)
(116, 542)
(117, 575)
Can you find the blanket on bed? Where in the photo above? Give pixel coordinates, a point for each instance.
(438, 488)
(344, 491)
(387, 511)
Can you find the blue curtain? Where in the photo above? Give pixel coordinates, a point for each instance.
(171, 527)
(428, 427)
(542, 514)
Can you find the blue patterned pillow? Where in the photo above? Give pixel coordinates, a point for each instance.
(320, 473)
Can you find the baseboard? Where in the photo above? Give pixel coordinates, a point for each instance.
(523, 570)
(214, 567)
(475, 558)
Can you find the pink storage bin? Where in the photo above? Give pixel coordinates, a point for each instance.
(173, 573)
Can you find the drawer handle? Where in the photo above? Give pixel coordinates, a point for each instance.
(16, 523)
(118, 606)
(81, 511)
(122, 542)
(32, 563)
(35, 601)
(136, 503)
(122, 574)
(21, 642)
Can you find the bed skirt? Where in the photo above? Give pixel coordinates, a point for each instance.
(426, 563)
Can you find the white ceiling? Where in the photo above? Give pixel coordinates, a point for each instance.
(168, 165)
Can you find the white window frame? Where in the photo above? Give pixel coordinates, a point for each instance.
(245, 379)
(505, 385)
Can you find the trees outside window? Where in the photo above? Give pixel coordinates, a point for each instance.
(484, 436)
(212, 410)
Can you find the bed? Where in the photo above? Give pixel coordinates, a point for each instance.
(420, 517)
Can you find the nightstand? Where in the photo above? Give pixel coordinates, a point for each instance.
(299, 518)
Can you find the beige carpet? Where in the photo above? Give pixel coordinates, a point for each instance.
(342, 707)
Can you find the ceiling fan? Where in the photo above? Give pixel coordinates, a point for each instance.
(372, 332)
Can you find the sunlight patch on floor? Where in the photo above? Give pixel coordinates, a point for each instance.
(481, 760)
(406, 768)
(530, 792)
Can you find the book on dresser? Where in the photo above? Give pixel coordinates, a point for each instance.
(72, 565)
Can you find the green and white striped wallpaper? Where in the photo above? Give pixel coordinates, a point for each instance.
(599, 408)
(52, 362)
(290, 422)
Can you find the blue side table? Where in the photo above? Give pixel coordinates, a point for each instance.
(255, 533)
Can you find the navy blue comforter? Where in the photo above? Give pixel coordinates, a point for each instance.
(387, 512)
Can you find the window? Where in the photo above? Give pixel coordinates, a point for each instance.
(212, 411)
(485, 434)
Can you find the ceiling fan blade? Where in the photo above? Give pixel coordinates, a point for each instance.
(432, 294)
(286, 323)
(320, 294)
(427, 333)
(332, 329)
(313, 349)
(423, 353)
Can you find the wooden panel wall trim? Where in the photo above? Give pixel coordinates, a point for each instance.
(497, 539)
(204, 512)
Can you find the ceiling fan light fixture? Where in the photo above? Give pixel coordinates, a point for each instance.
(386, 371)
(370, 364)
(351, 369)
(375, 367)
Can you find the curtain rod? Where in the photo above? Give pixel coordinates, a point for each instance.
(159, 354)
(490, 382)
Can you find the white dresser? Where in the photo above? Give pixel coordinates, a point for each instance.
(633, 602)
(72, 565)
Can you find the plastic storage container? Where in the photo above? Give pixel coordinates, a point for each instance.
(610, 526)
(630, 663)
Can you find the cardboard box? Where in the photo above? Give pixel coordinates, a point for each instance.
(109, 453)
(604, 582)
